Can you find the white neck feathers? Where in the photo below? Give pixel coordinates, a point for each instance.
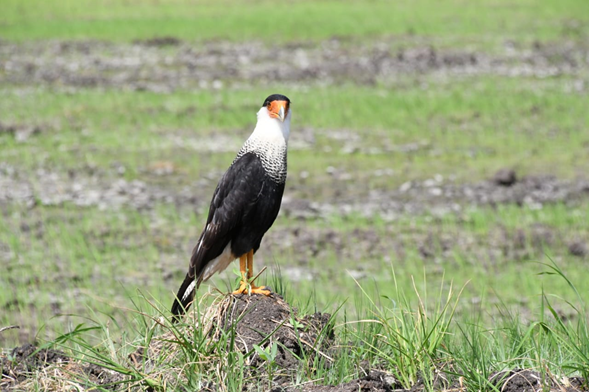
(272, 129)
(269, 142)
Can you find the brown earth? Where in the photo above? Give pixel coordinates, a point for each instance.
(256, 317)
(438, 197)
(33, 368)
(166, 63)
(435, 195)
(255, 320)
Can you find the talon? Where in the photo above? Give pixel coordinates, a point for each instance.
(243, 288)
(247, 286)
(261, 290)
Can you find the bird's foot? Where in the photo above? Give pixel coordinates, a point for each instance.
(247, 288)
(243, 288)
(261, 290)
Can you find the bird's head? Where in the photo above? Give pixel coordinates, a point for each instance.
(274, 119)
(278, 107)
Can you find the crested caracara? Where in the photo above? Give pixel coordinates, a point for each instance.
(244, 205)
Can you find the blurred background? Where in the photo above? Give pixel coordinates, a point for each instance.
(436, 142)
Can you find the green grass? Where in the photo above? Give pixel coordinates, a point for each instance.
(414, 336)
(486, 122)
(468, 128)
(292, 21)
(76, 260)
(64, 265)
(533, 125)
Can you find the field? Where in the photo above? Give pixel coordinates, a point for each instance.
(439, 150)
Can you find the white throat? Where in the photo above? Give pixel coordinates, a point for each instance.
(269, 142)
(271, 129)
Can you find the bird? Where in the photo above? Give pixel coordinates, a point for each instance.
(244, 206)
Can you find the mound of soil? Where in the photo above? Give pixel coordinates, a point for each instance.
(262, 321)
(251, 325)
(374, 382)
(519, 380)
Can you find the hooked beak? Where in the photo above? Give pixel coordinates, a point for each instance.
(278, 109)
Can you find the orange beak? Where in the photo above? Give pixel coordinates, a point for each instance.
(278, 109)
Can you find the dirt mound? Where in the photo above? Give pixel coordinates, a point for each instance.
(273, 339)
(505, 177)
(262, 321)
(374, 382)
(527, 380)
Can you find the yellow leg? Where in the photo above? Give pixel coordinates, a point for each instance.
(243, 266)
(246, 285)
(250, 273)
(243, 285)
(250, 264)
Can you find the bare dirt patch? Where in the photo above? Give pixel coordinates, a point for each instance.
(29, 367)
(54, 189)
(435, 195)
(165, 64)
(440, 197)
(24, 360)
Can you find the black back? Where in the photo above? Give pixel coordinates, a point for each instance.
(244, 206)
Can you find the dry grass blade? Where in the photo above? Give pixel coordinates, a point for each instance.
(9, 327)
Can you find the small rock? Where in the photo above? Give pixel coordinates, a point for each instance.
(159, 41)
(505, 177)
(405, 187)
(578, 249)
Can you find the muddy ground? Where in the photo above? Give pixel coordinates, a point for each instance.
(166, 64)
(252, 319)
(436, 195)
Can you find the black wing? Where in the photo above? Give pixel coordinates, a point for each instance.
(236, 193)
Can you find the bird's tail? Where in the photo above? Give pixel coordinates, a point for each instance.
(184, 298)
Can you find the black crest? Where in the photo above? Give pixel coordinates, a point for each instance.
(276, 97)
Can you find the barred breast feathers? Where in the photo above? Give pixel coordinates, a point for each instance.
(269, 142)
(273, 157)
